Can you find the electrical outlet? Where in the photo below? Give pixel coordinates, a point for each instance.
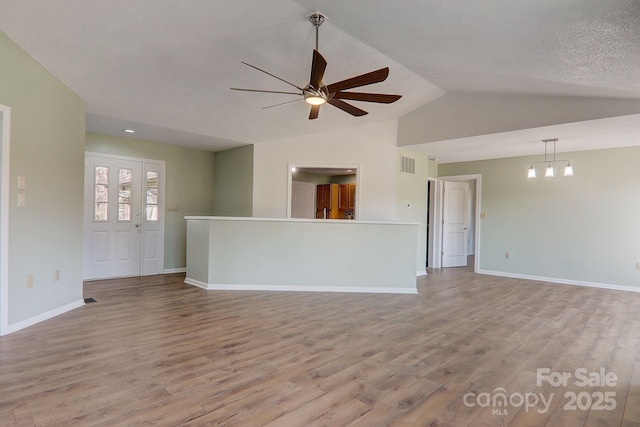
(637, 265)
(30, 281)
(483, 215)
(56, 275)
(21, 199)
(507, 255)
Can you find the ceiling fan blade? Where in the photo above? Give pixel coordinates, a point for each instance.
(318, 65)
(273, 75)
(367, 97)
(315, 109)
(354, 111)
(282, 103)
(264, 91)
(361, 80)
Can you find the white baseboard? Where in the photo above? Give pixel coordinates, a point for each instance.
(561, 281)
(174, 270)
(345, 289)
(44, 316)
(421, 273)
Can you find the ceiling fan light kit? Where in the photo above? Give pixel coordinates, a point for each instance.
(316, 93)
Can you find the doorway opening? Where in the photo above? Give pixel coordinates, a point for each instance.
(457, 224)
(123, 216)
(323, 192)
(431, 211)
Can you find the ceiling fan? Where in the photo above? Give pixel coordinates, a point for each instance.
(316, 93)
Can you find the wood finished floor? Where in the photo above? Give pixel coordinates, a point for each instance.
(156, 351)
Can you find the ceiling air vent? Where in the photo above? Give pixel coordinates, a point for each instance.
(408, 165)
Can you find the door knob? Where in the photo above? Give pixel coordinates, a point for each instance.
(137, 225)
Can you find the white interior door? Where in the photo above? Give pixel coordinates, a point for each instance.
(303, 200)
(455, 224)
(113, 217)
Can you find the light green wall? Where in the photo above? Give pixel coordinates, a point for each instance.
(47, 148)
(583, 228)
(233, 188)
(313, 178)
(189, 184)
(412, 200)
(316, 178)
(343, 179)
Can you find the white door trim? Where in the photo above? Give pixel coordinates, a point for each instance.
(145, 164)
(477, 178)
(5, 117)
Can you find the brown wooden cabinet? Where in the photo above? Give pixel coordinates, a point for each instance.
(327, 201)
(343, 197)
(335, 201)
(351, 202)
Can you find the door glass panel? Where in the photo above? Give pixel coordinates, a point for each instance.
(101, 194)
(124, 194)
(151, 210)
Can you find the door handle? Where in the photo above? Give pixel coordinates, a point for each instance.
(137, 225)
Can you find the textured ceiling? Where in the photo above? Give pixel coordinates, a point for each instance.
(165, 66)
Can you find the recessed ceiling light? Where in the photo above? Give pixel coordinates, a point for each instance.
(130, 131)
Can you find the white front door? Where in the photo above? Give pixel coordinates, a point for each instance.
(124, 219)
(455, 224)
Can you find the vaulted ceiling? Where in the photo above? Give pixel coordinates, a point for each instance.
(164, 67)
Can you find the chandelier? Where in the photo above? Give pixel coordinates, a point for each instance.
(550, 161)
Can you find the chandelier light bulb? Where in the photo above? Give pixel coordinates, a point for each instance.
(548, 172)
(568, 171)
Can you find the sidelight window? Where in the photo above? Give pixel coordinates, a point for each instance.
(101, 194)
(151, 209)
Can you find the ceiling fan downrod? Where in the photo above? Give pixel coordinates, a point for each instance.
(316, 19)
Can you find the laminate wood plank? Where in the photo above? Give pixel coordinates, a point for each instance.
(632, 405)
(154, 350)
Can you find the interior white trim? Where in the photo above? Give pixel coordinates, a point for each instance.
(333, 221)
(277, 288)
(174, 270)
(560, 281)
(5, 116)
(44, 316)
(119, 157)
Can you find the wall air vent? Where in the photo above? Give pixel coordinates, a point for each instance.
(408, 165)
